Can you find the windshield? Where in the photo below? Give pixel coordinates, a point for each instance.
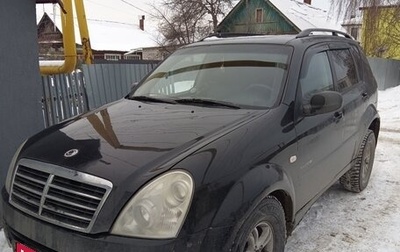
(249, 75)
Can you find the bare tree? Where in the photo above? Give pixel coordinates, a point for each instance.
(381, 29)
(392, 30)
(216, 8)
(185, 21)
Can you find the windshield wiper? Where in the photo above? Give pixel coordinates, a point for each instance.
(152, 99)
(197, 101)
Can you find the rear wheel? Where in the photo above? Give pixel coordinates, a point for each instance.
(264, 230)
(357, 178)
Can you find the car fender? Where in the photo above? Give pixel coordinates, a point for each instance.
(368, 117)
(370, 114)
(248, 191)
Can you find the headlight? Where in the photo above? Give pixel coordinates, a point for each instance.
(159, 209)
(11, 168)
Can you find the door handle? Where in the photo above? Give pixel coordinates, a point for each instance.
(338, 116)
(364, 95)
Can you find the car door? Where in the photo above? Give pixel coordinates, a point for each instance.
(320, 137)
(347, 77)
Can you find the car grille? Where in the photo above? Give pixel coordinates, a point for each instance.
(58, 195)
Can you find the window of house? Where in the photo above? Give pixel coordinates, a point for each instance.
(354, 32)
(111, 56)
(132, 57)
(259, 15)
(344, 68)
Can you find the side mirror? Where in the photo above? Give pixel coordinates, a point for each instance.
(325, 102)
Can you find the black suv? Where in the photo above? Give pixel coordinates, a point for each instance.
(223, 147)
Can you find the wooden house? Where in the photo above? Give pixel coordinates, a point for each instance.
(110, 41)
(50, 39)
(275, 17)
(381, 30)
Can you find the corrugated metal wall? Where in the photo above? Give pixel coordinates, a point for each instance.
(386, 72)
(68, 95)
(108, 82)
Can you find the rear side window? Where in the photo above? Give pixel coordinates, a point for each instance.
(344, 69)
(363, 66)
(358, 60)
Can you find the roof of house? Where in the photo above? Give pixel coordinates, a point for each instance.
(105, 35)
(303, 15)
(112, 36)
(300, 14)
(382, 5)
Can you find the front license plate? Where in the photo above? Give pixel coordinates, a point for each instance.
(23, 248)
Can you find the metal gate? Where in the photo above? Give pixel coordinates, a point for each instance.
(64, 96)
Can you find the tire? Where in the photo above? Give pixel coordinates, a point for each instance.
(264, 230)
(357, 178)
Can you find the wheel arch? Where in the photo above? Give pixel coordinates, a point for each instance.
(244, 196)
(375, 127)
(287, 203)
(370, 120)
(257, 184)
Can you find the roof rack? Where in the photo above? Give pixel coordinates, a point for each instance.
(308, 32)
(230, 35)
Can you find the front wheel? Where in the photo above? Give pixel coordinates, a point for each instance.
(357, 178)
(264, 230)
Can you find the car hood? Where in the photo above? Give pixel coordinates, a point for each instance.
(131, 137)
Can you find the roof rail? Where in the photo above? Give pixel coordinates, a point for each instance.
(230, 35)
(308, 32)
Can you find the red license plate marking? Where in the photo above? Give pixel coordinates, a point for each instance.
(23, 248)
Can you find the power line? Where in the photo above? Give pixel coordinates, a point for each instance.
(90, 19)
(128, 3)
(108, 7)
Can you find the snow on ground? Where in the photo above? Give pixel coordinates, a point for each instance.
(368, 221)
(3, 243)
(343, 221)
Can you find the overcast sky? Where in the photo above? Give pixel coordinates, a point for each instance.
(128, 11)
(323, 4)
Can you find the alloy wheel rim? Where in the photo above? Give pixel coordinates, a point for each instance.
(260, 239)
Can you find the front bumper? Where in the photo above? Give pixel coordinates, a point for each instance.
(46, 237)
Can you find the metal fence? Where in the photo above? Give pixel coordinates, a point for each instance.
(109, 82)
(386, 72)
(68, 95)
(64, 96)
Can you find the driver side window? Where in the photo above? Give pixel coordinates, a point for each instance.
(316, 76)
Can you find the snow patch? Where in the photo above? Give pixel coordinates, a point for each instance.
(305, 16)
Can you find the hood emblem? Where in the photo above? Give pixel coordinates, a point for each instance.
(71, 153)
